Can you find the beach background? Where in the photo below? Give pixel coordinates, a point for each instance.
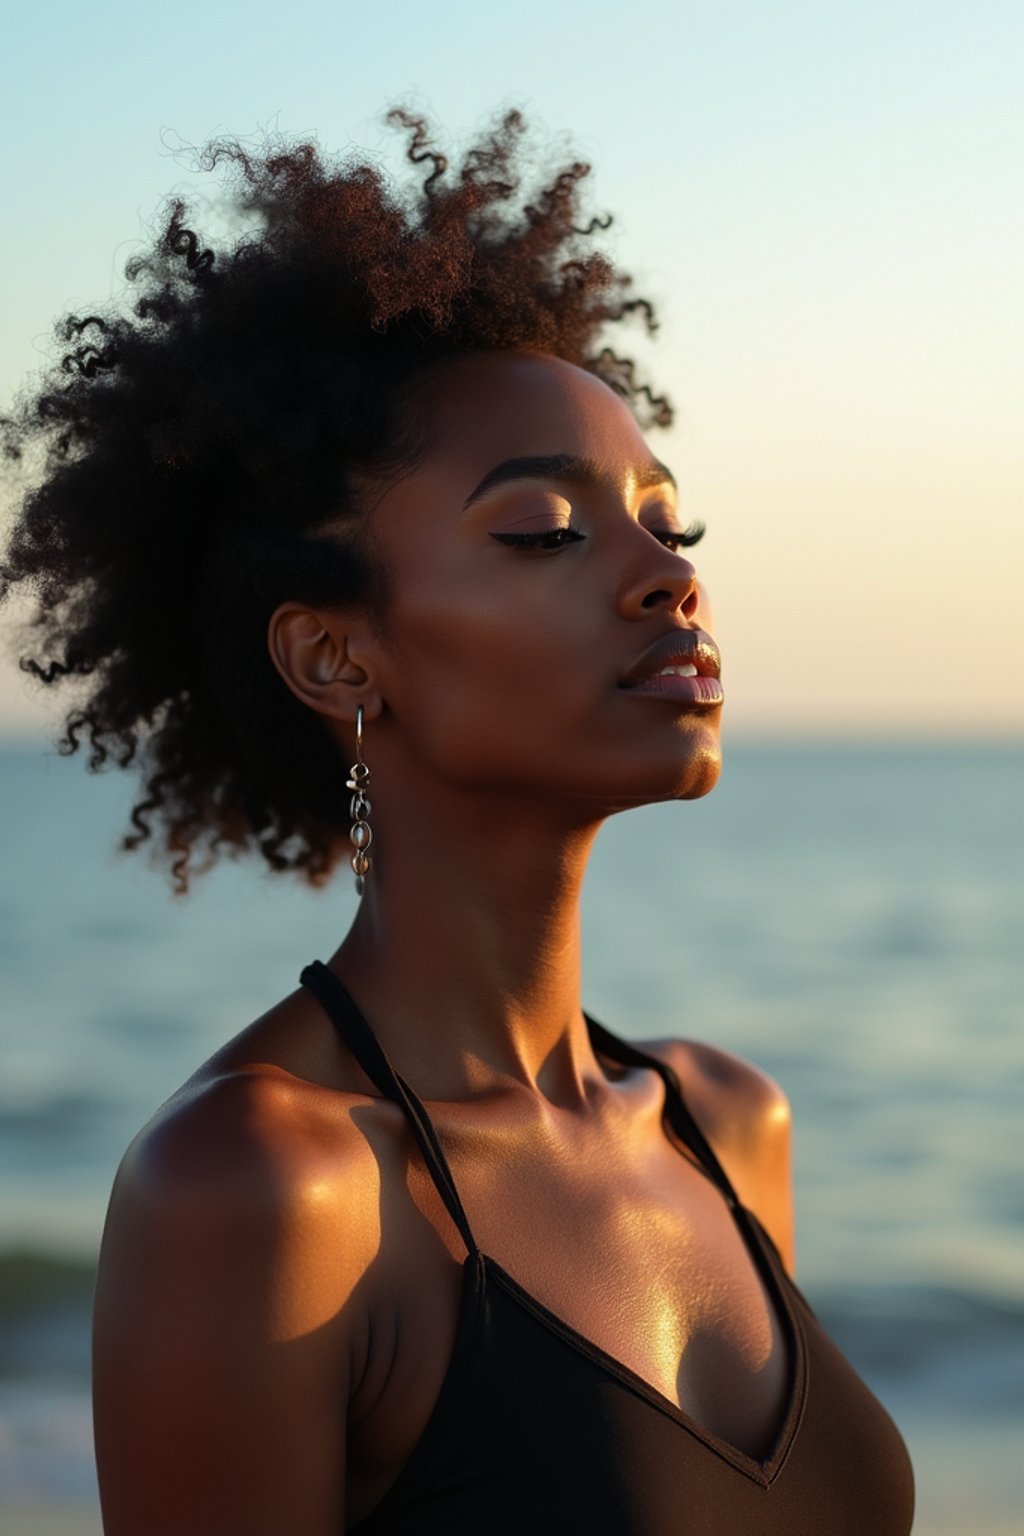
(825, 203)
(848, 917)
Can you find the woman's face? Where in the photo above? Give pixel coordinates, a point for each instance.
(524, 596)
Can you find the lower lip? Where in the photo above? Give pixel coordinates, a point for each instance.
(700, 692)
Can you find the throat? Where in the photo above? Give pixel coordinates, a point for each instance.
(472, 962)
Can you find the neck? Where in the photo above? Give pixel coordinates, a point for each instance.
(465, 951)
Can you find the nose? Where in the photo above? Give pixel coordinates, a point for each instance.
(662, 581)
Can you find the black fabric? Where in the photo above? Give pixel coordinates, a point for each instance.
(538, 1430)
(370, 1054)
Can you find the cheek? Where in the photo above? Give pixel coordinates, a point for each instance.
(483, 671)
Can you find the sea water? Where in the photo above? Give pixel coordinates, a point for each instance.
(849, 918)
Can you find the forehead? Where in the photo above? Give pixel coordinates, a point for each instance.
(487, 407)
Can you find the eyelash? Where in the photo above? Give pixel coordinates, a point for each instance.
(558, 538)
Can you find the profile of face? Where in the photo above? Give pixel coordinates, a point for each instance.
(535, 556)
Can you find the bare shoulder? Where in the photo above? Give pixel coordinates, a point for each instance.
(268, 1130)
(736, 1102)
(228, 1323)
(746, 1116)
(232, 1126)
(242, 1180)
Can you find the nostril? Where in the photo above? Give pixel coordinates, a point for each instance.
(662, 597)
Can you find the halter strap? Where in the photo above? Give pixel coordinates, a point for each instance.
(353, 1028)
(680, 1118)
(350, 1023)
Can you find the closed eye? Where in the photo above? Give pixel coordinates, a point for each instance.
(549, 539)
(677, 539)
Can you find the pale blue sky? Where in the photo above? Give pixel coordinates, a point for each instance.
(824, 198)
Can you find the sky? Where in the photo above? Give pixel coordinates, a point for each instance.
(823, 198)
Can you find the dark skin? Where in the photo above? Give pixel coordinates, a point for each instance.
(280, 1282)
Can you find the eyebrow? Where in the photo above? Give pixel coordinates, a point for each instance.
(563, 466)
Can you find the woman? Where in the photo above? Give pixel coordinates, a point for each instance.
(424, 1248)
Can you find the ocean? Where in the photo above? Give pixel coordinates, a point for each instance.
(851, 918)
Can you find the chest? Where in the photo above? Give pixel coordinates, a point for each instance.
(643, 1257)
(635, 1252)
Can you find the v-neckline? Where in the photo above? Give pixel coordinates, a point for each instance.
(762, 1472)
(765, 1260)
(478, 1267)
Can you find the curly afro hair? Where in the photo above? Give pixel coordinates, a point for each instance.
(198, 449)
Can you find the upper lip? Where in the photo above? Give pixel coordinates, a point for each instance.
(692, 646)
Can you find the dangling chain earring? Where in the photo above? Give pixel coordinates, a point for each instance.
(361, 834)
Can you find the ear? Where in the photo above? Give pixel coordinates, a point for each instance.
(327, 659)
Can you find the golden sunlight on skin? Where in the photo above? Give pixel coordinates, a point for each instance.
(482, 630)
(307, 1293)
(671, 1314)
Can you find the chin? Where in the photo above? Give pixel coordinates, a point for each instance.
(687, 770)
(700, 774)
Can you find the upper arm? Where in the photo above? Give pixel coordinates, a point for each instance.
(746, 1117)
(225, 1324)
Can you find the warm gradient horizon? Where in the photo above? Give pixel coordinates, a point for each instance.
(824, 201)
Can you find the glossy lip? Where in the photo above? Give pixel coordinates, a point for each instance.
(693, 647)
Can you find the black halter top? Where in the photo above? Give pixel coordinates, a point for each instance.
(539, 1432)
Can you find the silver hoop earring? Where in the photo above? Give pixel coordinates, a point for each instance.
(361, 833)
